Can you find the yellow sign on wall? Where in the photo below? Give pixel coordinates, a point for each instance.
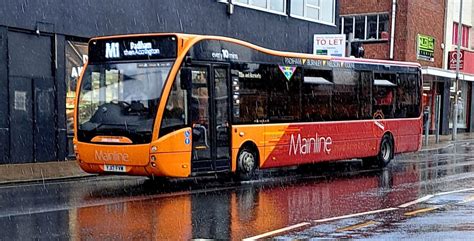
(425, 47)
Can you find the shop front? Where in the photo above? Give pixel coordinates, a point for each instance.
(439, 94)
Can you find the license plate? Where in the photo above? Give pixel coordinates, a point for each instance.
(114, 168)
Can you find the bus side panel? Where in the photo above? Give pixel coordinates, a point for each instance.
(245, 133)
(307, 142)
(407, 134)
(173, 155)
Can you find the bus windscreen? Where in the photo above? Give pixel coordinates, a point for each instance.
(120, 99)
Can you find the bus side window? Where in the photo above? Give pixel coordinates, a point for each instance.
(407, 105)
(384, 95)
(365, 94)
(250, 94)
(345, 99)
(317, 90)
(283, 94)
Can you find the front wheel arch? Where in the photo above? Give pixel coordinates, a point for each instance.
(248, 161)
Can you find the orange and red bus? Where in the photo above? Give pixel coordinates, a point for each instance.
(180, 105)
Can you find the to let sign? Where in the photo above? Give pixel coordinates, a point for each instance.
(453, 56)
(330, 44)
(425, 47)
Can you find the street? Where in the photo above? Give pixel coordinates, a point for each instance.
(424, 195)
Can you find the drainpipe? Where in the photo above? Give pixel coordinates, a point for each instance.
(392, 34)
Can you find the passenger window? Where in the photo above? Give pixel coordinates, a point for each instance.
(407, 104)
(283, 93)
(384, 95)
(317, 91)
(345, 98)
(249, 93)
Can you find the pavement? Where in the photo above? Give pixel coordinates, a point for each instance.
(55, 170)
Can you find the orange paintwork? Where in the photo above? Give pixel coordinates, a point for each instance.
(243, 133)
(174, 156)
(93, 159)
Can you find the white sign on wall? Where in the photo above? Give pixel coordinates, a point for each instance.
(330, 44)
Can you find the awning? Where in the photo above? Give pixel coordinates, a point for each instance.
(383, 82)
(451, 74)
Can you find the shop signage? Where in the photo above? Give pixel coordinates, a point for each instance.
(425, 47)
(330, 44)
(453, 55)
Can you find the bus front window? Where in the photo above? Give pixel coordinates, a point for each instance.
(120, 100)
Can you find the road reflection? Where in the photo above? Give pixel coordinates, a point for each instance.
(250, 208)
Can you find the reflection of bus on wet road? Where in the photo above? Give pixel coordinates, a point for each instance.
(234, 214)
(180, 105)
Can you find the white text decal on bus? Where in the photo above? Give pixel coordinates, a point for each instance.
(111, 156)
(112, 50)
(140, 48)
(225, 54)
(303, 146)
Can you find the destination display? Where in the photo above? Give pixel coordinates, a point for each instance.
(134, 48)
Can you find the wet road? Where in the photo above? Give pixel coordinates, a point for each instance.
(339, 200)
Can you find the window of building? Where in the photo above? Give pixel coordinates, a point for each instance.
(278, 6)
(464, 37)
(317, 10)
(366, 27)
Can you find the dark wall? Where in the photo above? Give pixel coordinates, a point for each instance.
(86, 18)
(4, 121)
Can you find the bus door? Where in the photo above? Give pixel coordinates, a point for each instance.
(209, 113)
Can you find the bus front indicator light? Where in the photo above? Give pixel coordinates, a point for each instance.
(153, 158)
(154, 149)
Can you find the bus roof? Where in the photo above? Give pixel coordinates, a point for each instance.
(194, 38)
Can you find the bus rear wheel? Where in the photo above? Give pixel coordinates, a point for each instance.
(246, 164)
(385, 154)
(386, 151)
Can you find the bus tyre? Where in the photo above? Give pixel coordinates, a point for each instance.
(386, 151)
(246, 164)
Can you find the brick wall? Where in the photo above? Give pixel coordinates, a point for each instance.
(413, 17)
(364, 6)
(425, 17)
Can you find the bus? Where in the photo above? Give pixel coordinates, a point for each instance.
(181, 105)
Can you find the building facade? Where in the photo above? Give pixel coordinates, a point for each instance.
(415, 31)
(43, 45)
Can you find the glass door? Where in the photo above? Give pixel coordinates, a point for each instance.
(209, 111)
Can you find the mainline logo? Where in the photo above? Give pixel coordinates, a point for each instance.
(114, 156)
(307, 145)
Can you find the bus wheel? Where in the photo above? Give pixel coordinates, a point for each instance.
(247, 163)
(386, 151)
